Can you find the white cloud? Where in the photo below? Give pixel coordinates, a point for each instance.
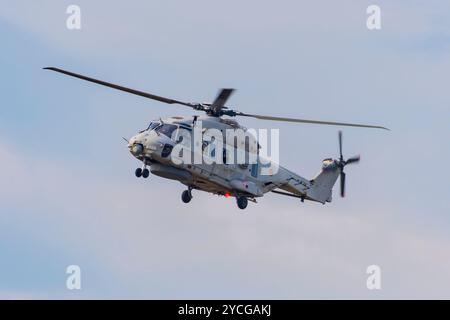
(152, 245)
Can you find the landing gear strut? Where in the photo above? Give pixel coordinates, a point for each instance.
(186, 196)
(242, 202)
(142, 172)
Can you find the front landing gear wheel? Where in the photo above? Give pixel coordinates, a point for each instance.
(186, 196)
(138, 172)
(242, 202)
(145, 173)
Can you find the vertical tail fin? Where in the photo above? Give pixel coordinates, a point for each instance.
(322, 184)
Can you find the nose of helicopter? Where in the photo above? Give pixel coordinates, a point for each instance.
(143, 145)
(136, 145)
(136, 149)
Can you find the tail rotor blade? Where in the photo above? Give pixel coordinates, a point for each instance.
(340, 146)
(354, 159)
(342, 184)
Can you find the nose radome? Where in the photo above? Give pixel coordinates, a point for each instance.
(137, 149)
(135, 146)
(144, 143)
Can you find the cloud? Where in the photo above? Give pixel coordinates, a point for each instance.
(143, 242)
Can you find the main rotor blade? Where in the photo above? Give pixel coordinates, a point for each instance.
(257, 116)
(221, 99)
(121, 88)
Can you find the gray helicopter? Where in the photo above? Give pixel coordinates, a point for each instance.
(158, 148)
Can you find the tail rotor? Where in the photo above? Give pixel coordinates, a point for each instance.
(342, 163)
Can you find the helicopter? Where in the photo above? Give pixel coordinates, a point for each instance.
(155, 147)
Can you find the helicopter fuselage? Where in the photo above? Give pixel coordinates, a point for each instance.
(154, 145)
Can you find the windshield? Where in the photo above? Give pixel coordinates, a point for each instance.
(166, 129)
(152, 125)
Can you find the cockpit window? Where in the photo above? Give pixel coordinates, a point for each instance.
(166, 129)
(153, 125)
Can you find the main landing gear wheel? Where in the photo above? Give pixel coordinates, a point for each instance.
(186, 196)
(242, 202)
(145, 173)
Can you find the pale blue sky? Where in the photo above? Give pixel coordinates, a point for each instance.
(67, 190)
